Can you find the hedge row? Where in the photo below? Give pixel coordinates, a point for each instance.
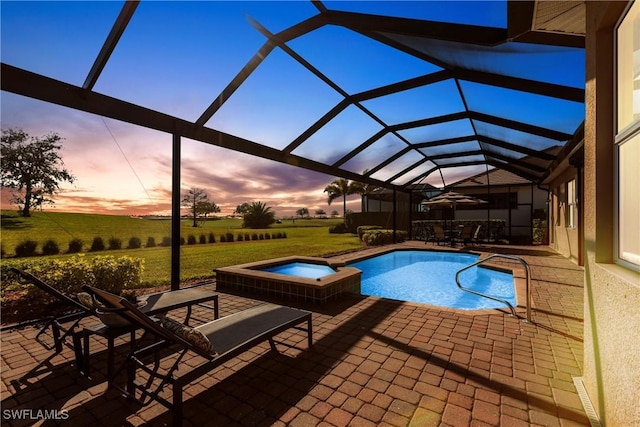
(28, 248)
(115, 275)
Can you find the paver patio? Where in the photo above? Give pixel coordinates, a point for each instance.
(375, 362)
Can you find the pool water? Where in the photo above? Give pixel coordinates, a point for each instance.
(429, 277)
(301, 269)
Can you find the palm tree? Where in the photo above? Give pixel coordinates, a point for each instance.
(342, 187)
(258, 215)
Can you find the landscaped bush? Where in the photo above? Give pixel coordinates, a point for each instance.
(70, 274)
(75, 246)
(254, 236)
(267, 236)
(26, 248)
(364, 228)
(223, 239)
(191, 240)
(134, 243)
(151, 242)
(260, 236)
(338, 229)
(247, 237)
(182, 241)
(229, 237)
(212, 238)
(97, 244)
(379, 237)
(50, 247)
(203, 239)
(166, 241)
(240, 237)
(115, 243)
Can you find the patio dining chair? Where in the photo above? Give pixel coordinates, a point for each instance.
(215, 342)
(438, 235)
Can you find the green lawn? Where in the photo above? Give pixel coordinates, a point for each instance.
(304, 237)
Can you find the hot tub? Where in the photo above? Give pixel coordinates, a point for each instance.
(307, 279)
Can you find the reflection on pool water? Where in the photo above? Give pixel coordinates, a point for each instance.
(429, 277)
(301, 269)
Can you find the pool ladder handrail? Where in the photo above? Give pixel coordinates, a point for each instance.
(527, 272)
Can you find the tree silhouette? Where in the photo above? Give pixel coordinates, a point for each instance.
(31, 168)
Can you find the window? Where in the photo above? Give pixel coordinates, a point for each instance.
(628, 137)
(572, 203)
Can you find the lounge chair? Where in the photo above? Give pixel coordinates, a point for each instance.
(230, 336)
(154, 304)
(59, 327)
(64, 331)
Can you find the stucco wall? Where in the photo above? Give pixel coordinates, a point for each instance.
(612, 293)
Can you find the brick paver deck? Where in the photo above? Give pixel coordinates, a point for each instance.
(375, 362)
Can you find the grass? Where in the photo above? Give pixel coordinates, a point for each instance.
(304, 237)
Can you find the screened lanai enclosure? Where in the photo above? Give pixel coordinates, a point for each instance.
(395, 94)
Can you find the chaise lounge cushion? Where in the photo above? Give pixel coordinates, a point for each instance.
(189, 334)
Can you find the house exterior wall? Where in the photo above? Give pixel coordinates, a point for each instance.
(612, 292)
(562, 237)
(519, 219)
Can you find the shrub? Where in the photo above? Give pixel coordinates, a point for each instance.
(240, 238)
(260, 236)
(267, 236)
(223, 239)
(191, 240)
(377, 237)
(134, 243)
(247, 237)
(182, 241)
(75, 246)
(166, 241)
(50, 247)
(151, 242)
(203, 239)
(26, 248)
(229, 237)
(254, 236)
(212, 238)
(115, 243)
(70, 274)
(97, 244)
(284, 235)
(338, 228)
(364, 228)
(274, 235)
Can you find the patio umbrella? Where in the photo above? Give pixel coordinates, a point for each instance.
(452, 199)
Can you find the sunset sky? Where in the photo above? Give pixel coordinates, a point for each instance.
(177, 57)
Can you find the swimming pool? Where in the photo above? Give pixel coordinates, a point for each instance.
(429, 277)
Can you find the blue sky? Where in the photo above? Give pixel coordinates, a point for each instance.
(176, 57)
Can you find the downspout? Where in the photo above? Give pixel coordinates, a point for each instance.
(548, 202)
